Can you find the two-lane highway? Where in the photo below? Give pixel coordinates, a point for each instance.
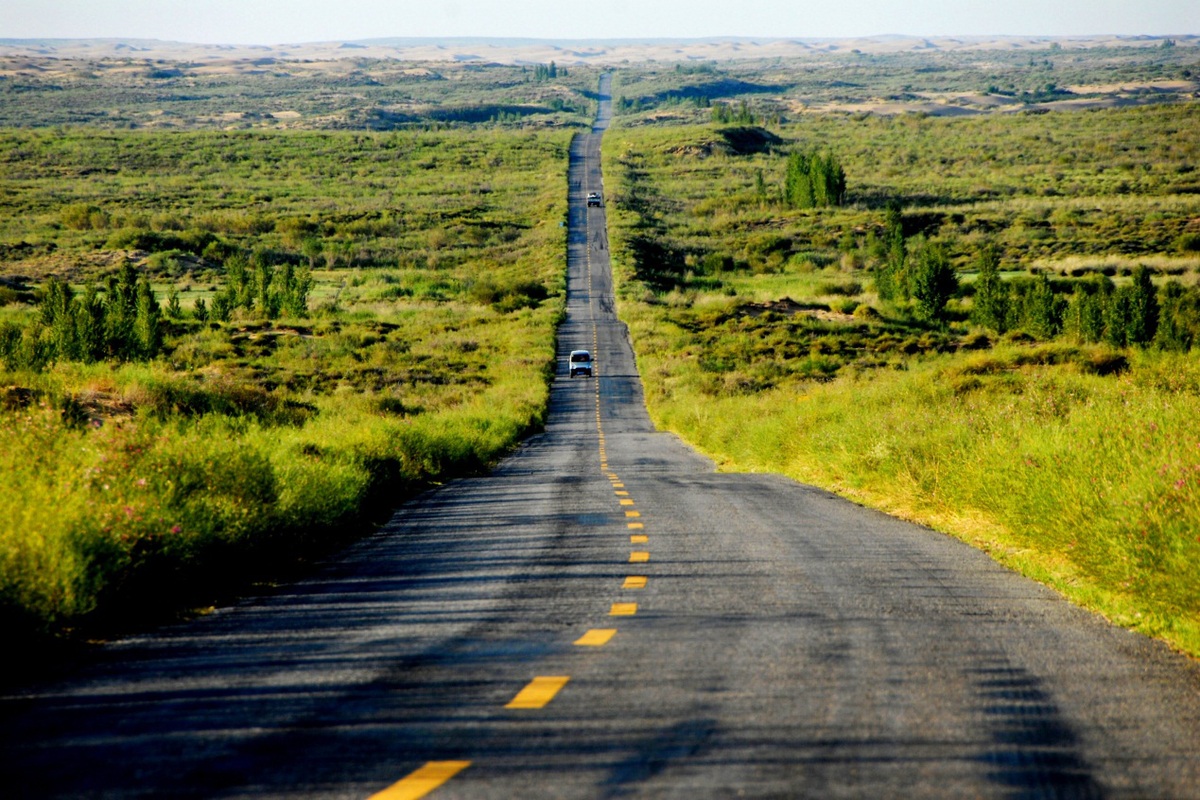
(606, 616)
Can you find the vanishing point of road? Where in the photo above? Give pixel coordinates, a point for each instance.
(606, 616)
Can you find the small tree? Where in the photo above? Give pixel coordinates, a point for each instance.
(991, 293)
(174, 309)
(1043, 310)
(890, 278)
(120, 313)
(797, 183)
(1143, 308)
(933, 281)
(264, 275)
(89, 323)
(1086, 309)
(58, 313)
(1118, 317)
(290, 295)
(311, 248)
(1179, 318)
(147, 322)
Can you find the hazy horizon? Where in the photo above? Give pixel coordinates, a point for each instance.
(273, 22)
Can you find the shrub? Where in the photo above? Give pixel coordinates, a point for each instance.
(1188, 243)
(991, 293)
(932, 281)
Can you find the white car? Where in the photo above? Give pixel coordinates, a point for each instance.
(580, 363)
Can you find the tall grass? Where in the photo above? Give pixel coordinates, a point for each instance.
(1077, 465)
(1090, 484)
(151, 510)
(131, 490)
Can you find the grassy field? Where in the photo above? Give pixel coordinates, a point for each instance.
(763, 340)
(925, 81)
(245, 302)
(343, 93)
(130, 484)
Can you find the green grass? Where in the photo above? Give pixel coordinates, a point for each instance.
(338, 94)
(129, 490)
(1089, 484)
(1076, 464)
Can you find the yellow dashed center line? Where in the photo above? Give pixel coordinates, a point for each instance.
(623, 610)
(539, 692)
(633, 513)
(634, 526)
(639, 538)
(621, 493)
(596, 637)
(422, 781)
(626, 502)
(639, 557)
(634, 582)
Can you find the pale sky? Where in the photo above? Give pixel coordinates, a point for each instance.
(297, 21)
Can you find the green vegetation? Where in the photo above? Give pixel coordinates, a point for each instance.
(989, 336)
(924, 82)
(328, 283)
(346, 94)
(218, 349)
(814, 180)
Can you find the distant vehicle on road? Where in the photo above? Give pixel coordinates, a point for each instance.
(581, 363)
(594, 199)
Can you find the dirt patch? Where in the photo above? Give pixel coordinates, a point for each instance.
(788, 307)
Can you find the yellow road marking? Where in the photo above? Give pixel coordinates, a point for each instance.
(623, 610)
(618, 485)
(634, 582)
(638, 556)
(639, 538)
(620, 493)
(626, 502)
(539, 692)
(596, 637)
(633, 513)
(634, 526)
(422, 781)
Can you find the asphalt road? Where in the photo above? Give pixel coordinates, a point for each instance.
(749, 636)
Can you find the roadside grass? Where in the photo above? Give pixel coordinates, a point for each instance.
(1089, 484)
(130, 491)
(1075, 464)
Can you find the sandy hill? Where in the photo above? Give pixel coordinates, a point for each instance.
(515, 51)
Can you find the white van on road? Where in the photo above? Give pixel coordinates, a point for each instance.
(580, 363)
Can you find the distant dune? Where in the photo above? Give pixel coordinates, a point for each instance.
(516, 51)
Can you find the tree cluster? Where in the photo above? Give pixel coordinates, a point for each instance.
(546, 72)
(1135, 314)
(726, 114)
(914, 269)
(122, 322)
(814, 180)
(259, 283)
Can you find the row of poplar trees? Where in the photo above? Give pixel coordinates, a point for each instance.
(1133, 314)
(122, 320)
